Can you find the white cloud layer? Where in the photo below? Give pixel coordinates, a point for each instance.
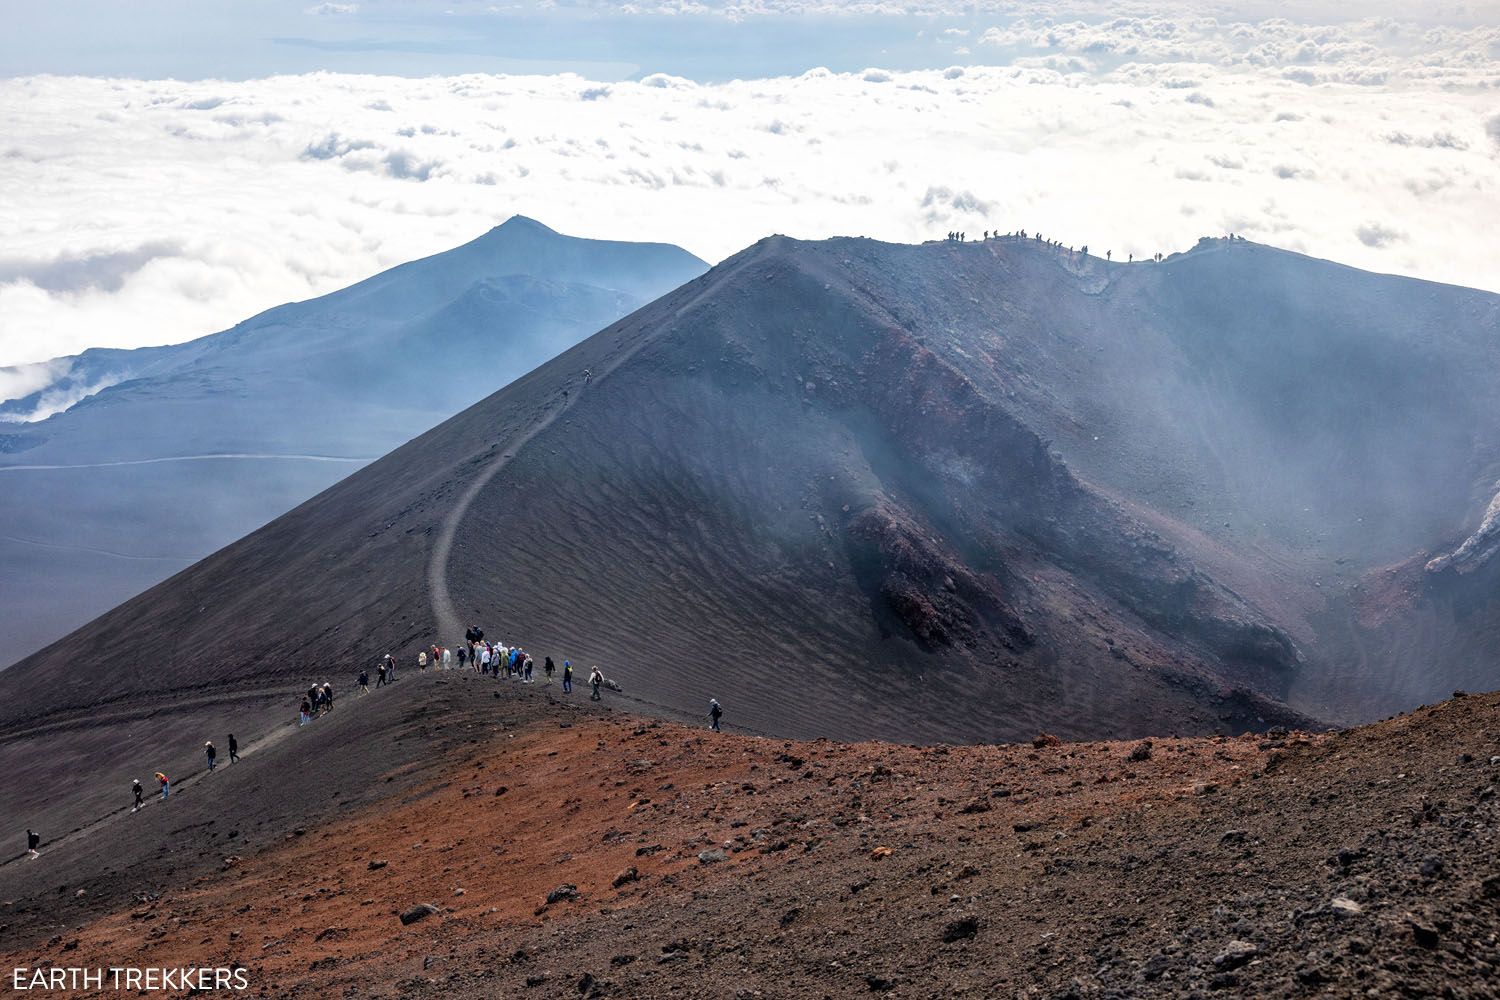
(144, 212)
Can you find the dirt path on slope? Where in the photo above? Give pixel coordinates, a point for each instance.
(153, 791)
(444, 613)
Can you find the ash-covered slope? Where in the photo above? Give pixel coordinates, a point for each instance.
(940, 492)
(787, 484)
(1025, 489)
(175, 451)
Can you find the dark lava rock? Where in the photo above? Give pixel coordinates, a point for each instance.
(631, 874)
(375, 866)
(1141, 751)
(421, 911)
(711, 856)
(1423, 933)
(1156, 965)
(960, 929)
(563, 893)
(1311, 975)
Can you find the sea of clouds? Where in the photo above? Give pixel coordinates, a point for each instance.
(147, 212)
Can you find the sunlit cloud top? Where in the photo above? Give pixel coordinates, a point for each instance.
(148, 211)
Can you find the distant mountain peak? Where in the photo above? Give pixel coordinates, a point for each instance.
(524, 224)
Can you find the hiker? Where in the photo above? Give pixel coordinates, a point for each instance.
(139, 793)
(527, 670)
(463, 657)
(547, 667)
(484, 659)
(447, 658)
(33, 841)
(313, 698)
(211, 754)
(715, 712)
(474, 633)
(588, 376)
(422, 660)
(166, 786)
(390, 668)
(234, 750)
(364, 682)
(328, 695)
(567, 676)
(306, 715)
(380, 675)
(596, 680)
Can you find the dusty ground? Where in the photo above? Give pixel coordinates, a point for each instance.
(1212, 865)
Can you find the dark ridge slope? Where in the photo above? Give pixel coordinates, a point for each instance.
(941, 492)
(788, 485)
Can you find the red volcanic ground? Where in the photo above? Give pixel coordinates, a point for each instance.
(686, 863)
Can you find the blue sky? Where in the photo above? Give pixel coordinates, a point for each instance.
(240, 40)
